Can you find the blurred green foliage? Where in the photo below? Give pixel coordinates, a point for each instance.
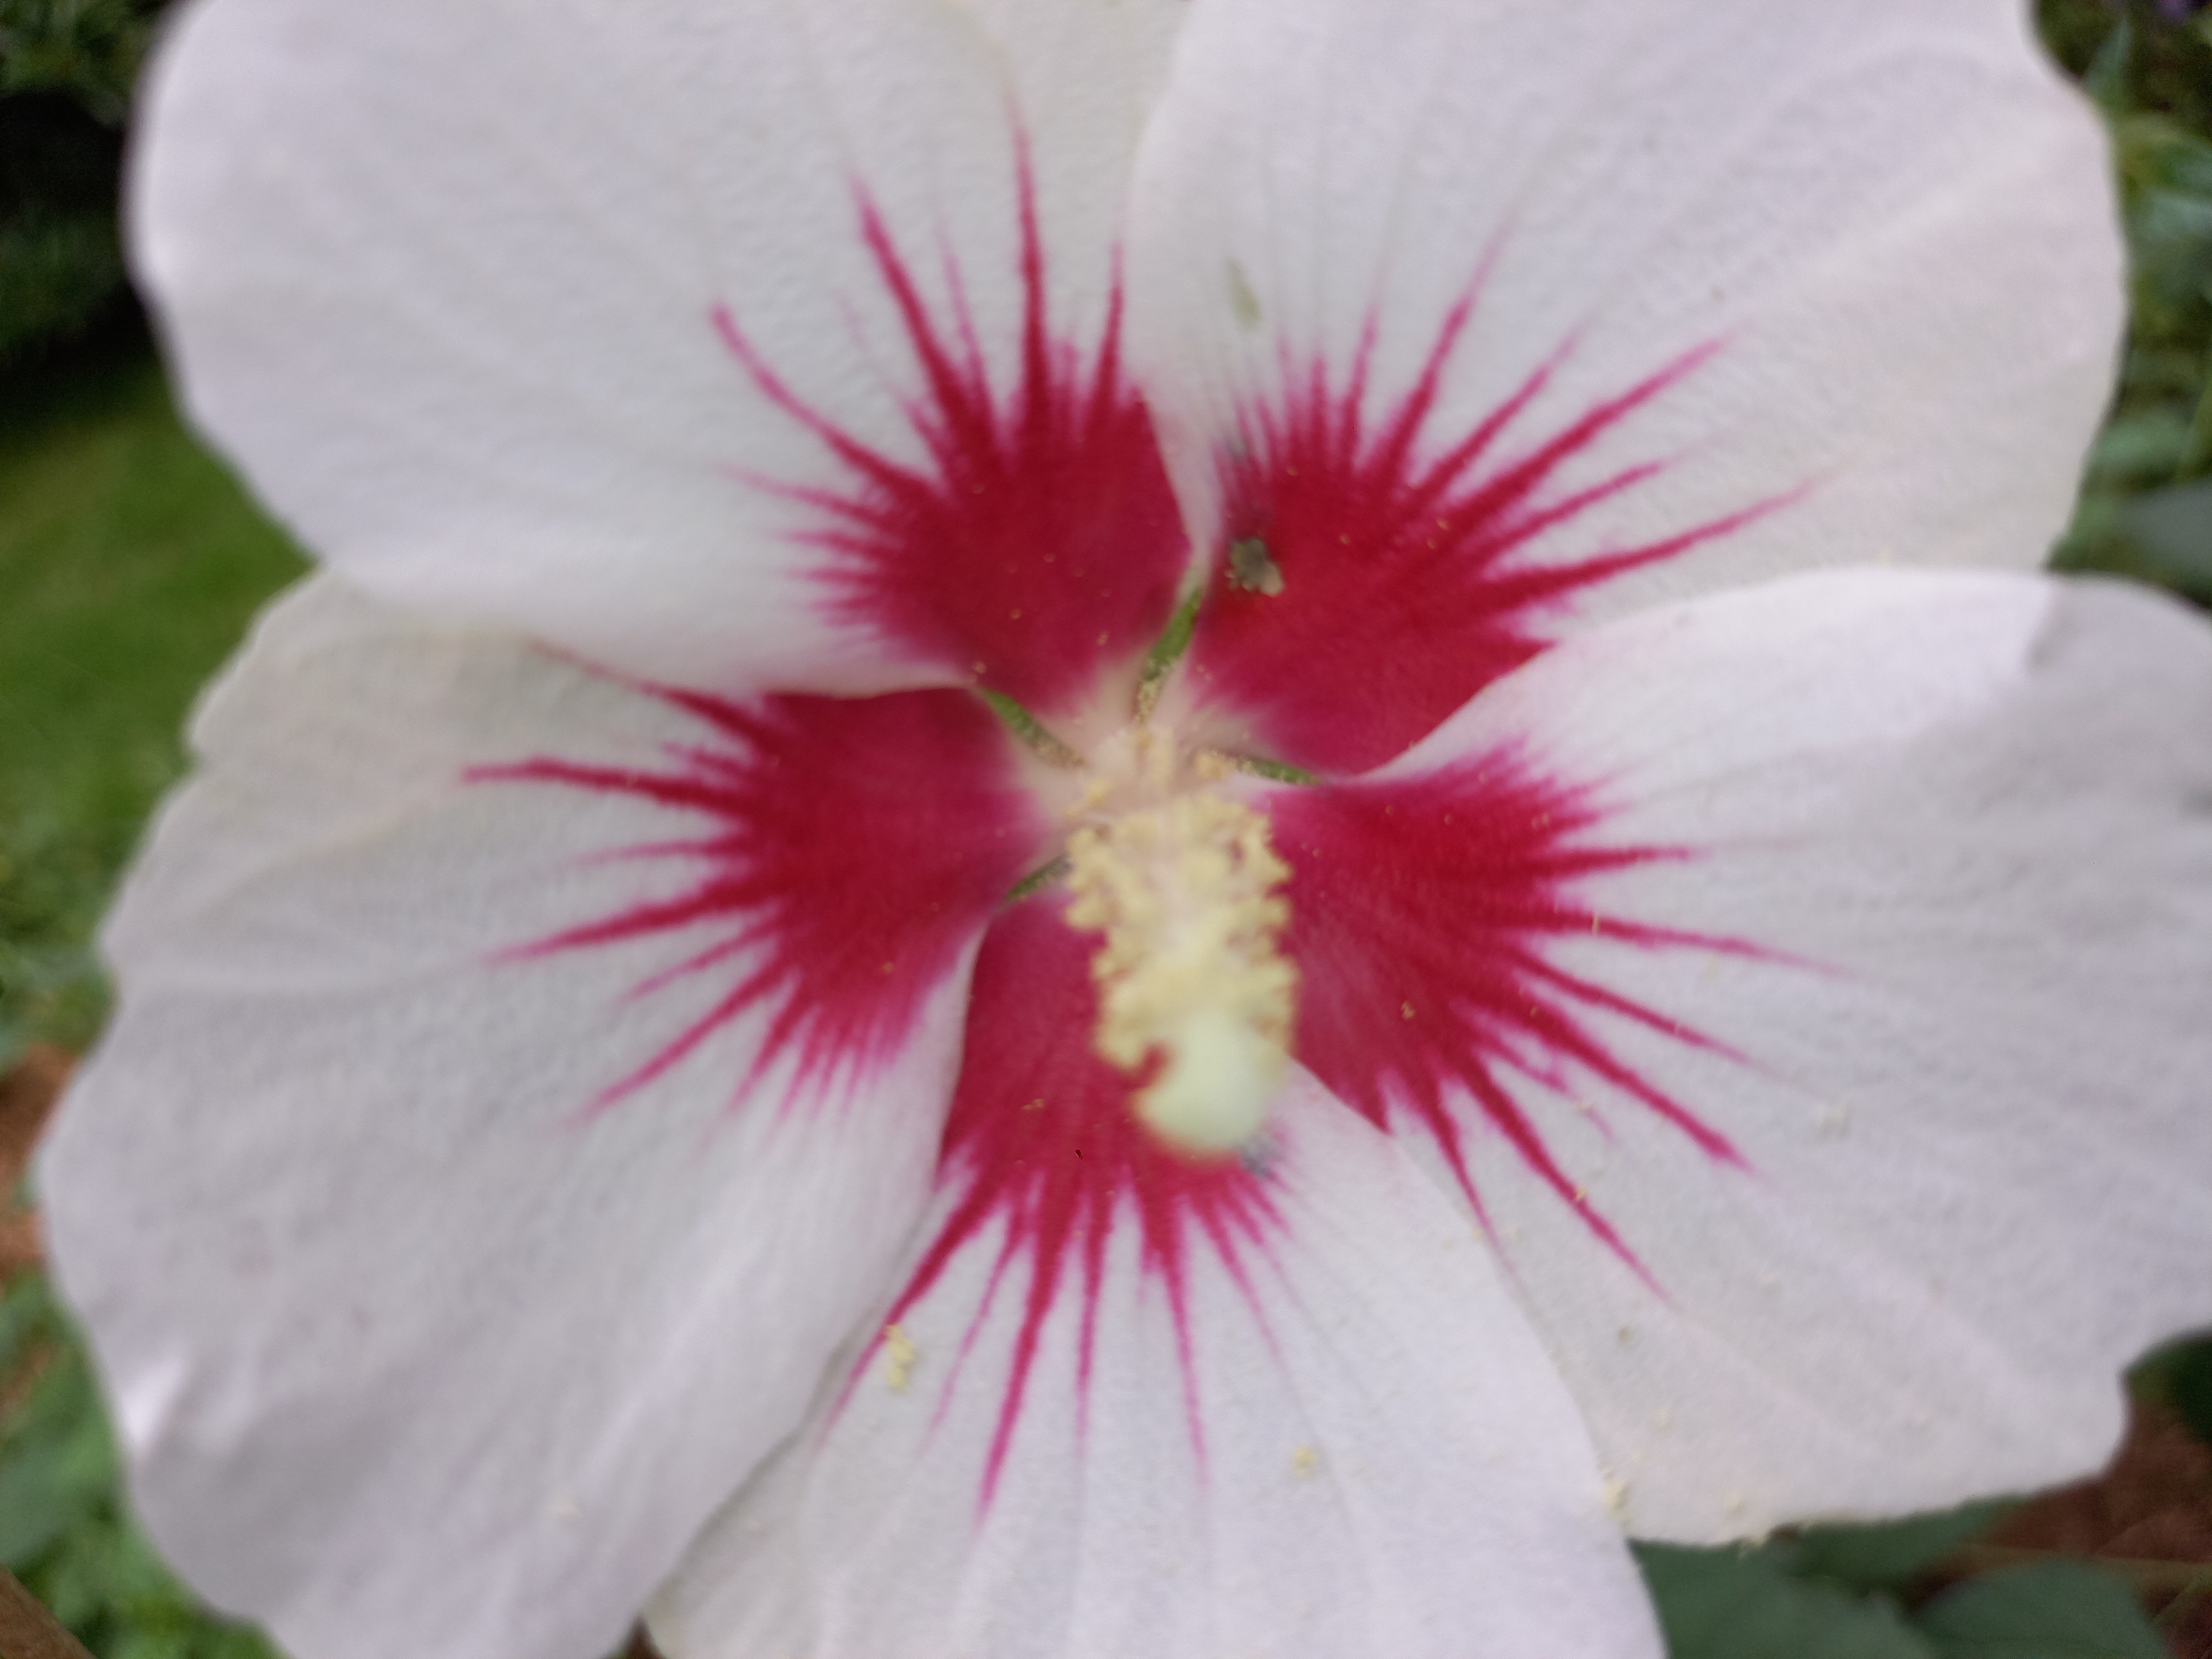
(64, 1530)
(2146, 506)
(131, 563)
(66, 72)
(1774, 1602)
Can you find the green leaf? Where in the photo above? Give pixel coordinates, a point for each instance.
(57, 1473)
(2172, 529)
(2049, 1610)
(2148, 443)
(2171, 241)
(1745, 1604)
(2156, 150)
(2189, 1386)
(1893, 1552)
(73, 1581)
(36, 1506)
(2107, 79)
(152, 1645)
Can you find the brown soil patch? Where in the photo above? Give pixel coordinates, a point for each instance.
(27, 1094)
(2154, 1503)
(2147, 1517)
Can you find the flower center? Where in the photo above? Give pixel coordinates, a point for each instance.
(1182, 882)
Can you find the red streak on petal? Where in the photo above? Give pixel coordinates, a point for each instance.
(846, 853)
(1048, 1184)
(1421, 909)
(1408, 582)
(1039, 540)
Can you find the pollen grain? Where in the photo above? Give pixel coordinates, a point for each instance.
(899, 1356)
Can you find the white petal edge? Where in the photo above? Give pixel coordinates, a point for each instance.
(442, 280)
(1391, 1467)
(1968, 820)
(411, 1352)
(1893, 222)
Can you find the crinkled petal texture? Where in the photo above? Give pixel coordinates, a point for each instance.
(1492, 320)
(518, 1091)
(1832, 1083)
(1289, 1409)
(745, 345)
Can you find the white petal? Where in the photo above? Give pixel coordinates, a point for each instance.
(421, 1341)
(1889, 224)
(453, 284)
(1388, 1464)
(1959, 829)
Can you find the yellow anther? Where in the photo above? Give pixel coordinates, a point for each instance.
(899, 1356)
(1184, 892)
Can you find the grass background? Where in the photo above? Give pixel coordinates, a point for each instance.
(131, 563)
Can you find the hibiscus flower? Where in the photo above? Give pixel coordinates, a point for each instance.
(1106, 830)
